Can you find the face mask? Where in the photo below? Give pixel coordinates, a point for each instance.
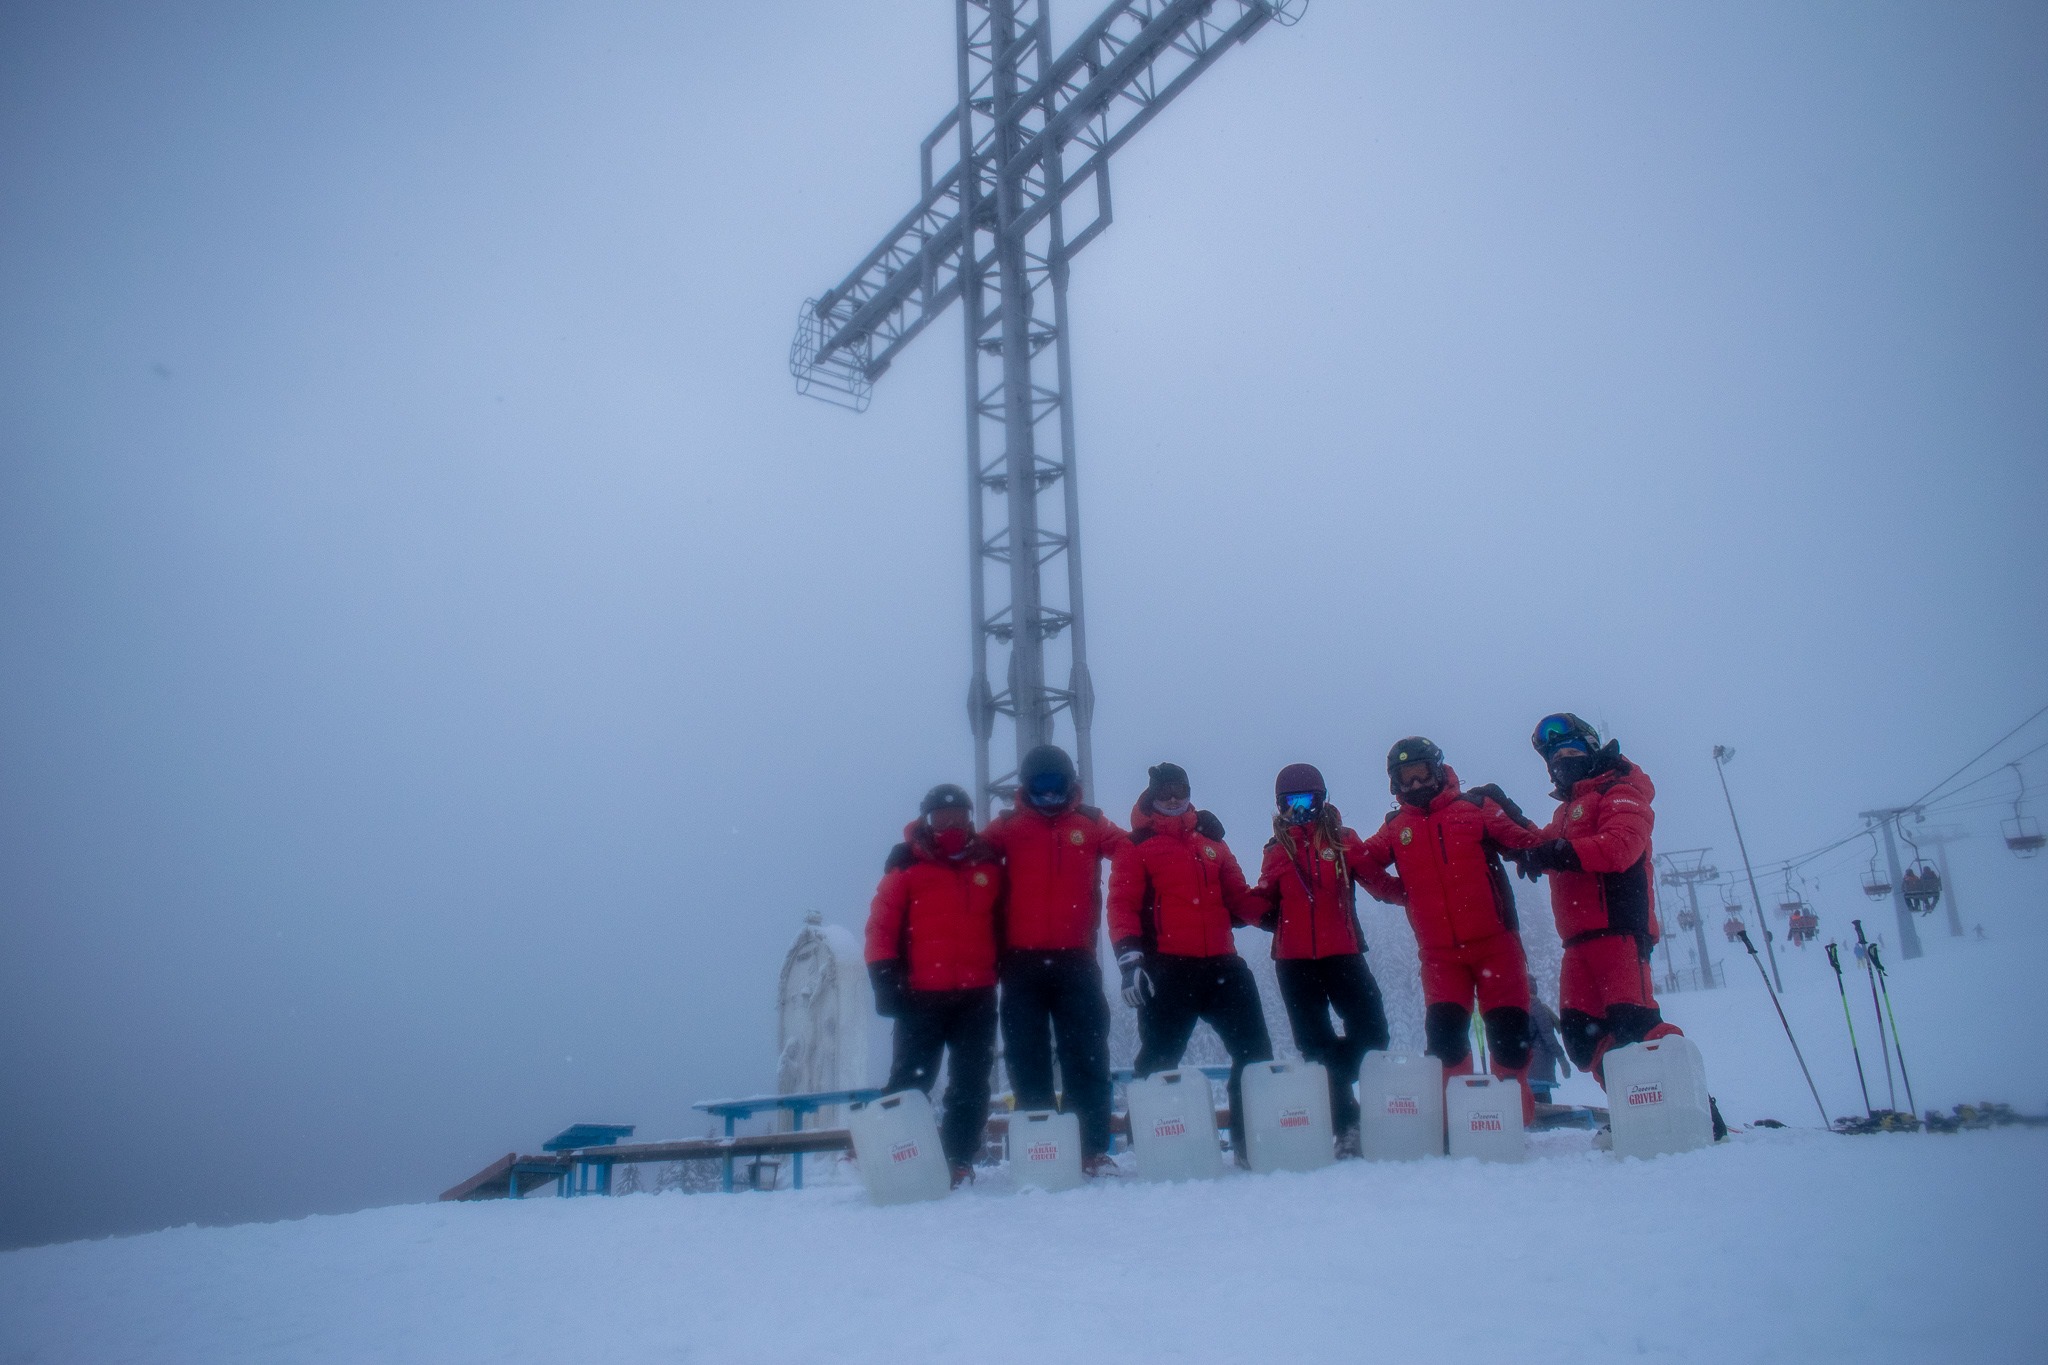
(1177, 806)
(951, 842)
(1570, 769)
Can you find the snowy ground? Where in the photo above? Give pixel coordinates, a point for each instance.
(1794, 1246)
(1791, 1245)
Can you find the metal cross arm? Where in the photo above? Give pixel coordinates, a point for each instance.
(1130, 63)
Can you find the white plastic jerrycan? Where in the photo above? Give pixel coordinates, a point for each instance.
(1657, 1098)
(1287, 1116)
(1401, 1106)
(1484, 1115)
(1173, 1126)
(896, 1142)
(1045, 1149)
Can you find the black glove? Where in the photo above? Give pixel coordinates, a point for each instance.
(1138, 986)
(887, 979)
(1556, 856)
(1522, 868)
(1208, 826)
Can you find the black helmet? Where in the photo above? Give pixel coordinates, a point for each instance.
(1298, 780)
(1556, 731)
(1415, 749)
(944, 795)
(1046, 777)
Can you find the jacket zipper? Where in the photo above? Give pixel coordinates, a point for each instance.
(1443, 882)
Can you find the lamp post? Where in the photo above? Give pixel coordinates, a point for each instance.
(1722, 753)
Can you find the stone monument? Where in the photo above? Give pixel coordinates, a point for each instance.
(825, 1018)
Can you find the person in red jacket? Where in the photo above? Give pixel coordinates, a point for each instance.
(1446, 845)
(1310, 895)
(931, 952)
(1596, 850)
(1053, 848)
(1175, 894)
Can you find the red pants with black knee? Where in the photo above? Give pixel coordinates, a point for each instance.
(1605, 1001)
(1494, 972)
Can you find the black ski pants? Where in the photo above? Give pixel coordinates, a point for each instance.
(1219, 991)
(961, 1024)
(1053, 1000)
(1312, 987)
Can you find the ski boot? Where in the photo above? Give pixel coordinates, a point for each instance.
(963, 1174)
(1350, 1145)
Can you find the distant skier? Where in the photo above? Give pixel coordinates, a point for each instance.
(1175, 894)
(1445, 844)
(1310, 894)
(1596, 850)
(1053, 849)
(931, 952)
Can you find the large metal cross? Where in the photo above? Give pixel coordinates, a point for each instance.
(990, 230)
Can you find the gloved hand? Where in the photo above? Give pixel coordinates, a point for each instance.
(1138, 986)
(887, 979)
(1556, 856)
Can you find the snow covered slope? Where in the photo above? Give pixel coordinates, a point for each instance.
(1777, 1246)
(1794, 1245)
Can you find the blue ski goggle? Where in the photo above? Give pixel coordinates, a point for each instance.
(1555, 732)
(1298, 803)
(1049, 789)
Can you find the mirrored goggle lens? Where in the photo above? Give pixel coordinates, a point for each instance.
(1300, 801)
(1553, 731)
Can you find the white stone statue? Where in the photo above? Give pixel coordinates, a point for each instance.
(825, 1014)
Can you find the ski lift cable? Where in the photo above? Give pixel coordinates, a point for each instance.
(1802, 859)
(1973, 762)
(1942, 804)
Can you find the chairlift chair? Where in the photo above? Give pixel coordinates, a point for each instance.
(1875, 884)
(1922, 885)
(1733, 928)
(2022, 832)
(1688, 920)
(1805, 927)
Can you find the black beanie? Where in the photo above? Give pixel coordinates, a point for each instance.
(1166, 774)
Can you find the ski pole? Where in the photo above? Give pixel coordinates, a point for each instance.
(1835, 961)
(1743, 934)
(1897, 1046)
(1883, 1046)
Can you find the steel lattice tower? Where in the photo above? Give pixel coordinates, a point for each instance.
(990, 229)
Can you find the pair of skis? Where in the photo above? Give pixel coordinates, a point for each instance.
(1873, 967)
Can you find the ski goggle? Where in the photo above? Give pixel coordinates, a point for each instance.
(1298, 803)
(1047, 789)
(1555, 732)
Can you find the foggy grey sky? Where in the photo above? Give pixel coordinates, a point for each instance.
(441, 659)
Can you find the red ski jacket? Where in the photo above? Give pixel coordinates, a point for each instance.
(1306, 877)
(1053, 867)
(1451, 881)
(1607, 820)
(1175, 890)
(938, 914)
